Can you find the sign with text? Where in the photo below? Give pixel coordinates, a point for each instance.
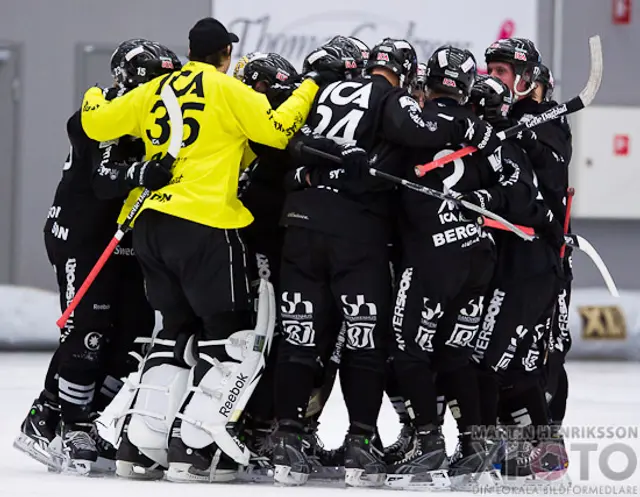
(294, 29)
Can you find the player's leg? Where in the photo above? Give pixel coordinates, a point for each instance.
(305, 307)
(361, 286)
(143, 452)
(457, 377)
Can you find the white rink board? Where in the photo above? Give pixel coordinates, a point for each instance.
(294, 29)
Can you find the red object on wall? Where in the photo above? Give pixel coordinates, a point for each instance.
(621, 145)
(621, 11)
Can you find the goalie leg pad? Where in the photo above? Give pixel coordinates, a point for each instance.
(160, 394)
(224, 390)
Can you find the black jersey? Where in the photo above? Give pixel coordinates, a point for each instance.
(523, 204)
(91, 192)
(550, 154)
(263, 191)
(442, 222)
(372, 114)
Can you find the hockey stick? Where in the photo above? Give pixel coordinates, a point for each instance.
(175, 142)
(427, 191)
(585, 97)
(578, 242)
(567, 217)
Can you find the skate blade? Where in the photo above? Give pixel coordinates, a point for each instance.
(103, 466)
(356, 477)
(283, 475)
(475, 482)
(34, 450)
(183, 473)
(126, 469)
(558, 478)
(255, 474)
(429, 480)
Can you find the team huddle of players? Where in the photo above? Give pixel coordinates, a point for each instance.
(399, 291)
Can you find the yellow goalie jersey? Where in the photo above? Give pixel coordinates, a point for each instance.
(220, 115)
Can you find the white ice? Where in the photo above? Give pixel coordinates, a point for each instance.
(601, 394)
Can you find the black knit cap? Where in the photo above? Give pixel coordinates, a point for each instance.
(208, 36)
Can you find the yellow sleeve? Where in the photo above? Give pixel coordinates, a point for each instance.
(260, 122)
(104, 120)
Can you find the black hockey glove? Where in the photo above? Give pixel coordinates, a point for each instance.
(482, 198)
(485, 198)
(481, 135)
(113, 92)
(552, 232)
(150, 174)
(355, 161)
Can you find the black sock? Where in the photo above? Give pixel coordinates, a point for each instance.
(527, 407)
(293, 385)
(558, 404)
(489, 392)
(460, 388)
(418, 388)
(362, 391)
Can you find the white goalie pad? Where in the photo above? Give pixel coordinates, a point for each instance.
(111, 421)
(160, 394)
(225, 389)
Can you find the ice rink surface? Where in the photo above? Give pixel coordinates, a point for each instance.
(601, 395)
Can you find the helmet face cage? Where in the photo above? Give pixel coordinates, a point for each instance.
(364, 50)
(451, 70)
(491, 98)
(522, 55)
(397, 55)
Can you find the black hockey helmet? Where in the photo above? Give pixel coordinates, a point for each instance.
(451, 70)
(339, 52)
(545, 78)
(491, 99)
(270, 68)
(397, 55)
(138, 61)
(521, 54)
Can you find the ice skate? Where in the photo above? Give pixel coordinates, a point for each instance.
(106, 462)
(363, 464)
(38, 430)
(471, 466)
(396, 450)
(423, 466)
(208, 464)
(260, 468)
(291, 465)
(73, 450)
(325, 464)
(131, 463)
(529, 464)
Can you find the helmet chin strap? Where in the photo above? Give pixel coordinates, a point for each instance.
(518, 94)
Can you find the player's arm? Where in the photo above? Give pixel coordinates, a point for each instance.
(263, 124)
(104, 120)
(404, 123)
(549, 148)
(108, 173)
